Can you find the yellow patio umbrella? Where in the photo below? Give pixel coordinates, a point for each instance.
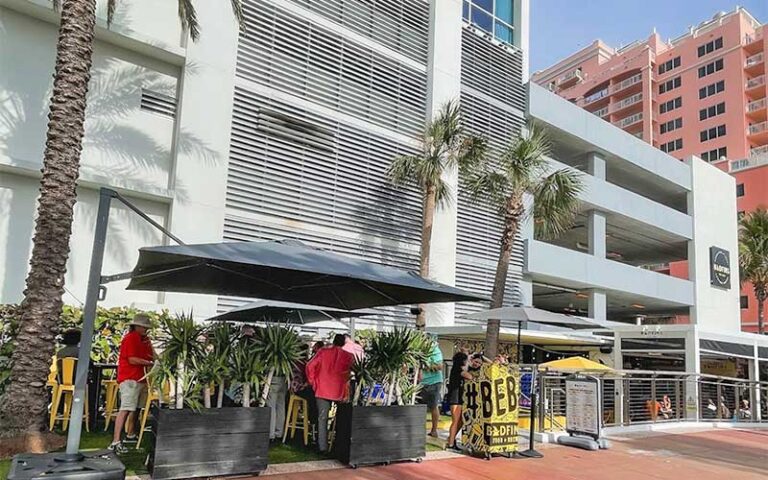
(575, 364)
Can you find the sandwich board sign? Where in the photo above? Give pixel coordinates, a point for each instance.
(582, 406)
(490, 410)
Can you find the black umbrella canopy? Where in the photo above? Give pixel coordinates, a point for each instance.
(285, 270)
(285, 312)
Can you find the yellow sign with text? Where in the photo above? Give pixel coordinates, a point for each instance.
(490, 410)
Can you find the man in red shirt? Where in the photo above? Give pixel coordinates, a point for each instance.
(328, 374)
(136, 357)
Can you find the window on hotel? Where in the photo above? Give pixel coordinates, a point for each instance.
(744, 302)
(712, 133)
(710, 90)
(671, 125)
(671, 105)
(710, 47)
(494, 16)
(712, 111)
(711, 68)
(715, 154)
(669, 65)
(740, 190)
(670, 84)
(672, 146)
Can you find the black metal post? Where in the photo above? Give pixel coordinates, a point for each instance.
(531, 452)
(519, 328)
(89, 316)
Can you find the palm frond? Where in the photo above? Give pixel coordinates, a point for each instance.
(472, 155)
(111, 9)
(753, 249)
(556, 202)
(188, 18)
(490, 186)
(443, 194)
(237, 11)
(401, 170)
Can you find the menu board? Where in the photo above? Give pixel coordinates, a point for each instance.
(582, 406)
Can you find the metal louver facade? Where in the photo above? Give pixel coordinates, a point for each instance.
(328, 93)
(492, 104)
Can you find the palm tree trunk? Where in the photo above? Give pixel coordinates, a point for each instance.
(23, 411)
(267, 384)
(514, 212)
(428, 219)
(220, 396)
(761, 295)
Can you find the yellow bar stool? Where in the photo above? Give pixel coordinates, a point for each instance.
(298, 411)
(154, 394)
(110, 400)
(65, 390)
(52, 379)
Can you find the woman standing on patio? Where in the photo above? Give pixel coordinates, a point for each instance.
(455, 394)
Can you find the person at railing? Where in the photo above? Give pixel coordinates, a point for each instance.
(745, 413)
(725, 412)
(654, 408)
(666, 407)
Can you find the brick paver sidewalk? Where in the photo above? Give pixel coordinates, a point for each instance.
(706, 455)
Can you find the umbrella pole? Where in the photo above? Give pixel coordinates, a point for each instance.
(531, 452)
(352, 328)
(519, 327)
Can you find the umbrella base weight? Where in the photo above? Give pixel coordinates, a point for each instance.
(98, 465)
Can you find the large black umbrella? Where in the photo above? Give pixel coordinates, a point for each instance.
(270, 311)
(285, 270)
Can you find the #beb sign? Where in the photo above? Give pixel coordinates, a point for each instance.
(490, 410)
(582, 406)
(719, 267)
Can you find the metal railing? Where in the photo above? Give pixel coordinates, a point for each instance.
(755, 82)
(595, 96)
(758, 128)
(756, 105)
(643, 397)
(630, 120)
(602, 112)
(627, 102)
(572, 75)
(755, 59)
(626, 83)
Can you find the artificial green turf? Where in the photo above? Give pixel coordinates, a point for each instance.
(5, 466)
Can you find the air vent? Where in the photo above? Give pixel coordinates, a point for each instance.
(293, 129)
(159, 103)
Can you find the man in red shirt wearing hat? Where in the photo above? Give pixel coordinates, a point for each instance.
(136, 358)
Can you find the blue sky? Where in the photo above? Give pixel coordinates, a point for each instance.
(561, 27)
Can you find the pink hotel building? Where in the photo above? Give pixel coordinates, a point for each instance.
(703, 94)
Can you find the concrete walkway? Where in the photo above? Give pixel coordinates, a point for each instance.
(709, 455)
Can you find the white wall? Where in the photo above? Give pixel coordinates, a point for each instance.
(126, 234)
(712, 204)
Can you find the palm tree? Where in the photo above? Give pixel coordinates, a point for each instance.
(445, 145)
(753, 258)
(23, 408)
(523, 168)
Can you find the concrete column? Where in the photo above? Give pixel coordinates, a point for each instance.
(618, 389)
(754, 374)
(596, 165)
(522, 32)
(199, 175)
(596, 226)
(692, 365)
(444, 85)
(598, 305)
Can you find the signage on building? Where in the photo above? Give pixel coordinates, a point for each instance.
(582, 406)
(491, 409)
(719, 267)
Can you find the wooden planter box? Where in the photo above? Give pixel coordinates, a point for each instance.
(210, 442)
(367, 435)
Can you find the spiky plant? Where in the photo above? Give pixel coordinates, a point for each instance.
(392, 353)
(221, 338)
(246, 368)
(181, 345)
(279, 349)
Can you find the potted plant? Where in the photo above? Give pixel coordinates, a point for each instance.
(192, 440)
(373, 430)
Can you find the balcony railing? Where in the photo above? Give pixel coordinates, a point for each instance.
(757, 128)
(633, 80)
(629, 101)
(596, 96)
(755, 82)
(569, 77)
(602, 112)
(630, 120)
(754, 60)
(757, 156)
(756, 105)
(753, 38)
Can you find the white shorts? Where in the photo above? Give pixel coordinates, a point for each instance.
(133, 394)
